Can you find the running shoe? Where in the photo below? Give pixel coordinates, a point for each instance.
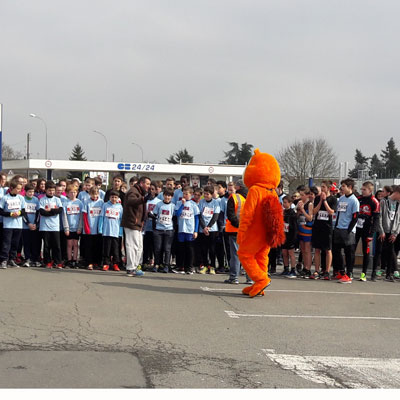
(380, 272)
(326, 276)
(233, 281)
(12, 263)
(285, 272)
(3, 265)
(203, 270)
(116, 268)
(345, 279)
(211, 270)
(396, 275)
(315, 275)
(306, 274)
(292, 274)
(363, 277)
(106, 267)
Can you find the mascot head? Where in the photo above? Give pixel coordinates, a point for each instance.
(262, 170)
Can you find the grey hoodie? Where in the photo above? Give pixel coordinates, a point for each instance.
(389, 217)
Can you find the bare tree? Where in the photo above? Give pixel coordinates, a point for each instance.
(8, 153)
(307, 158)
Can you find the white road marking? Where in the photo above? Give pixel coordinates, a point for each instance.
(207, 289)
(341, 372)
(233, 314)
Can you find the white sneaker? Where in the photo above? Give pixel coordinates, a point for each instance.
(27, 263)
(3, 265)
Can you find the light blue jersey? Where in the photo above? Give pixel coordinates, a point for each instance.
(49, 224)
(83, 196)
(73, 211)
(3, 191)
(164, 213)
(12, 203)
(346, 207)
(178, 196)
(160, 196)
(186, 221)
(102, 193)
(93, 211)
(150, 206)
(110, 222)
(31, 206)
(207, 210)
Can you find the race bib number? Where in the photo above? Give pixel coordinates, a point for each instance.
(150, 207)
(391, 215)
(342, 207)
(360, 223)
(14, 204)
(187, 213)
(323, 216)
(286, 227)
(30, 208)
(208, 212)
(302, 220)
(112, 213)
(73, 210)
(95, 211)
(50, 206)
(165, 218)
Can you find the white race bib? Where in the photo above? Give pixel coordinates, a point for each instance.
(95, 211)
(112, 213)
(391, 215)
(30, 208)
(14, 204)
(302, 220)
(342, 207)
(208, 212)
(360, 223)
(73, 209)
(323, 216)
(165, 219)
(286, 227)
(187, 213)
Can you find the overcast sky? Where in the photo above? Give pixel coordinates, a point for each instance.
(197, 74)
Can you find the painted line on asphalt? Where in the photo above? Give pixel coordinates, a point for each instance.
(207, 289)
(233, 314)
(341, 372)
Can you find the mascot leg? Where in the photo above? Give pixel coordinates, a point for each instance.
(256, 267)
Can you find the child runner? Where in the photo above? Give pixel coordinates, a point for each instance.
(324, 207)
(30, 234)
(91, 216)
(50, 209)
(73, 208)
(209, 213)
(187, 213)
(163, 232)
(110, 228)
(290, 221)
(305, 222)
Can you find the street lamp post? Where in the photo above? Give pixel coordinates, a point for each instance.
(45, 126)
(140, 147)
(104, 136)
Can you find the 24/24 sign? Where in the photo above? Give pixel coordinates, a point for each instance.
(135, 167)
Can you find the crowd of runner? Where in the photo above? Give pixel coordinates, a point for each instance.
(171, 226)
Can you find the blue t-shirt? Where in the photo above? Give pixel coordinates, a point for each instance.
(164, 213)
(31, 206)
(207, 210)
(3, 191)
(49, 224)
(83, 196)
(102, 193)
(12, 203)
(111, 219)
(150, 206)
(73, 211)
(160, 196)
(93, 210)
(186, 221)
(346, 207)
(178, 195)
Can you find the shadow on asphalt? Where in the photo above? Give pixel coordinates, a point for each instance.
(167, 289)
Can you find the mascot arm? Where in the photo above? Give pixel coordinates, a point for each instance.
(247, 214)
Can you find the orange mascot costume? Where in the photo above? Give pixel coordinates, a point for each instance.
(261, 220)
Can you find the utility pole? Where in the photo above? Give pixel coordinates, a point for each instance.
(28, 139)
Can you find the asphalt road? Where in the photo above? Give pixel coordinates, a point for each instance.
(88, 329)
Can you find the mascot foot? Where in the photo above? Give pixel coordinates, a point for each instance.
(258, 287)
(247, 289)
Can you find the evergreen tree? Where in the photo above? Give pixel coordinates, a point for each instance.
(238, 155)
(361, 164)
(391, 159)
(77, 154)
(180, 157)
(376, 166)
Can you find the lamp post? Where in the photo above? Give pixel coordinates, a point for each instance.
(45, 126)
(140, 147)
(104, 136)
